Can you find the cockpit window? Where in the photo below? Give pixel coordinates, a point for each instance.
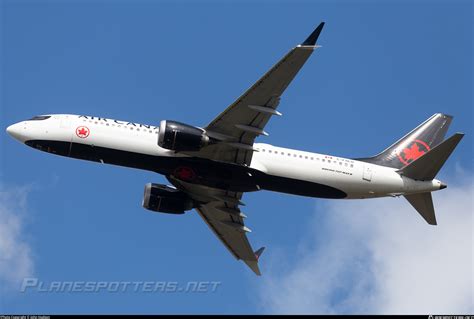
(39, 118)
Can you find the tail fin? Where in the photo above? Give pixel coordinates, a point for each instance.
(427, 166)
(423, 203)
(414, 144)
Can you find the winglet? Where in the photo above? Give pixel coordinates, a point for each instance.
(253, 264)
(313, 37)
(259, 252)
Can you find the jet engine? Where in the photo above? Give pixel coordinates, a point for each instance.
(177, 136)
(165, 199)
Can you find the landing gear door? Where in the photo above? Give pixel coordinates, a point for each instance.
(367, 173)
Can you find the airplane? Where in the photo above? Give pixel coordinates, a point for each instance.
(211, 167)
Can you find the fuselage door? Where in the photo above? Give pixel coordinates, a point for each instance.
(65, 122)
(65, 127)
(367, 173)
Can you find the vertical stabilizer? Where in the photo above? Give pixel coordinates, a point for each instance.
(414, 144)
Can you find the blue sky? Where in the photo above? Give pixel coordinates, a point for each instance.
(384, 67)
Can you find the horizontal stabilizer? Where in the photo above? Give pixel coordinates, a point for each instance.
(423, 203)
(428, 165)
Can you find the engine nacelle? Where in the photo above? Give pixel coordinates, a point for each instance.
(165, 199)
(181, 137)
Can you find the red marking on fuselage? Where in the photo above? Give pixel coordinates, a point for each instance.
(185, 173)
(82, 132)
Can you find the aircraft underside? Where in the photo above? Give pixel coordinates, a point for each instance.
(192, 170)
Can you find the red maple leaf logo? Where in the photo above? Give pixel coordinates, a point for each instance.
(413, 152)
(410, 153)
(82, 132)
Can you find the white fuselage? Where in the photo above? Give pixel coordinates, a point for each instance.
(355, 178)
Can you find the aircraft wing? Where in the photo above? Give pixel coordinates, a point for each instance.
(245, 119)
(220, 210)
(235, 129)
